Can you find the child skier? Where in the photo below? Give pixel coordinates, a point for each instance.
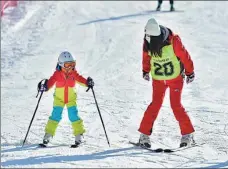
(65, 78)
(168, 61)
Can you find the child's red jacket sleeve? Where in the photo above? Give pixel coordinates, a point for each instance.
(80, 79)
(52, 80)
(183, 55)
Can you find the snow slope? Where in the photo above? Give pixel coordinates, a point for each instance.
(106, 38)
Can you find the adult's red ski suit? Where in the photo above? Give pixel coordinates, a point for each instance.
(175, 85)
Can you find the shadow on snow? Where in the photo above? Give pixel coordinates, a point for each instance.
(66, 158)
(219, 165)
(129, 16)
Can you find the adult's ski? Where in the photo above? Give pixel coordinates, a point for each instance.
(171, 150)
(162, 150)
(158, 150)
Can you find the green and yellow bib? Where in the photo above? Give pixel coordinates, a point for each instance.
(167, 66)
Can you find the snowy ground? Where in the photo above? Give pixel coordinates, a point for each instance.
(106, 38)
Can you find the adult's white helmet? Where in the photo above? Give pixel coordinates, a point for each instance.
(65, 57)
(152, 28)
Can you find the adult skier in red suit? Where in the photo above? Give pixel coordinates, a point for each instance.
(168, 62)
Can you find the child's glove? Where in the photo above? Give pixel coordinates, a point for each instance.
(42, 87)
(190, 78)
(146, 76)
(90, 82)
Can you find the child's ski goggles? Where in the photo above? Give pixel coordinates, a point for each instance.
(68, 65)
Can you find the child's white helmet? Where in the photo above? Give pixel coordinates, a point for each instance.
(65, 57)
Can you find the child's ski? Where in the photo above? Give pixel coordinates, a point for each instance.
(42, 145)
(74, 146)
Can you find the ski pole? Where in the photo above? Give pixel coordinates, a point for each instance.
(33, 116)
(100, 115)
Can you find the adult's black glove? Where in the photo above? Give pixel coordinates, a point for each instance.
(146, 76)
(190, 78)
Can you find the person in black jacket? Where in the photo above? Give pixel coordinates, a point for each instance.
(171, 5)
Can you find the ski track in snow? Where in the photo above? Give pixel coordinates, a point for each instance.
(106, 38)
